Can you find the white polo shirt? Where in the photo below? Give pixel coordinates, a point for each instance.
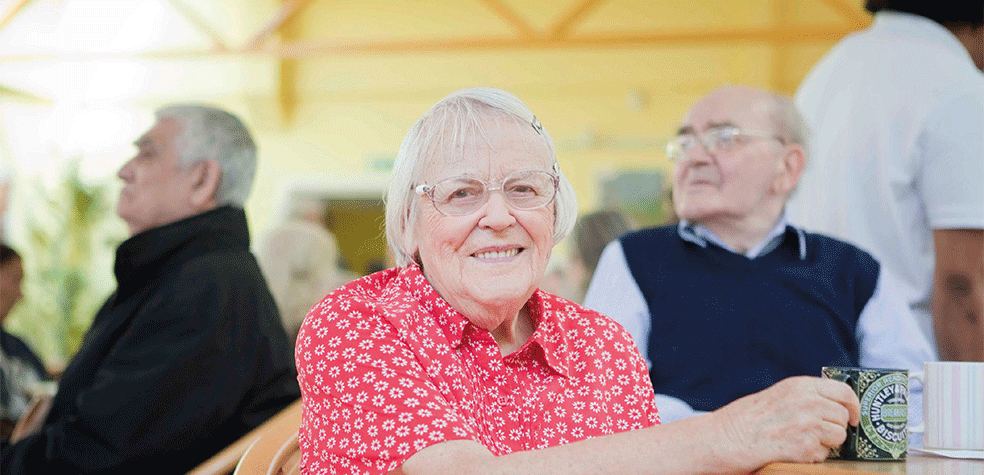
(897, 114)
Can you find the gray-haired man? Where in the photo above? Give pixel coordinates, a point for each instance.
(188, 354)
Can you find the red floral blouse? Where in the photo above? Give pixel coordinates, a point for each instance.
(387, 367)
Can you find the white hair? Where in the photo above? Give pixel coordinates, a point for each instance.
(445, 128)
(207, 133)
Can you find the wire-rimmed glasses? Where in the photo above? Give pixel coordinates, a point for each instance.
(722, 139)
(461, 195)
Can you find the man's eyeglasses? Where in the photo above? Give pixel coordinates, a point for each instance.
(461, 195)
(715, 140)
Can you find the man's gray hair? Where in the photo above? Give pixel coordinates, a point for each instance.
(442, 132)
(792, 127)
(208, 133)
(790, 124)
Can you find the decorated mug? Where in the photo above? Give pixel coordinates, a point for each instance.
(882, 433)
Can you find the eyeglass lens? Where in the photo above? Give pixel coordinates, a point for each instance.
(522, 190)
(716, 140)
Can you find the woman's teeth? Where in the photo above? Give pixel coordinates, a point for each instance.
(497, 254)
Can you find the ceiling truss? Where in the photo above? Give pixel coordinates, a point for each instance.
(558, 35)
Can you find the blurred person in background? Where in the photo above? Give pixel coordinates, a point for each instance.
(189, 353)
(734, 298)
(897, 112)
(20, 368)
(590, 235)
(568, 275)
(300, 262)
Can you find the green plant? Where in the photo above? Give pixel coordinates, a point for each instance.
(70, 240)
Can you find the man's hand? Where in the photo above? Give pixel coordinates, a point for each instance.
(33, 418)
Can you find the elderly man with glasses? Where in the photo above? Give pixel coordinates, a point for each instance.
(734, 298)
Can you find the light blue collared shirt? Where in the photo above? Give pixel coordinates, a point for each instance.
(700, 235)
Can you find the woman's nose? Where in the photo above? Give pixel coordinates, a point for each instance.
(497, 214)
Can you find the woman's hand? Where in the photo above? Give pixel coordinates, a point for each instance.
(798, 419)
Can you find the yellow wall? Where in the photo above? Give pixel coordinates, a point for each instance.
(331, 115)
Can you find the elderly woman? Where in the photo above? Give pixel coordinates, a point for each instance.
(454, 362)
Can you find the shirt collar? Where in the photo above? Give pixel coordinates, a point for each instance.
(701, 236)
(451, 323)
(921, 27)
(549, 336)
(548, 342)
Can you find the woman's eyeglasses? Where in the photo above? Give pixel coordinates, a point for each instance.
(461, 195)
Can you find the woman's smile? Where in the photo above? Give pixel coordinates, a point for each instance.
(497, 254)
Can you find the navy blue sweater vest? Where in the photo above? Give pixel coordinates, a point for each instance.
(725, 326)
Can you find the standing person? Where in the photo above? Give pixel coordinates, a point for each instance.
(455, 362)
(189, 353)
(898, 158)
(20, 368)
(734, 299)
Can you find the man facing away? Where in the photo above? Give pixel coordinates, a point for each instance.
(189, 353)
(734, 298)
(898, 158)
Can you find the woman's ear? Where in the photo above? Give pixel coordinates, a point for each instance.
(206, 175)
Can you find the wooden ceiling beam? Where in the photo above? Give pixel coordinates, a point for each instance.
(654, 39)
(518, 23)
(12, 12)
(563, 27)
(198, 22)
(606, 40)
(286, 11)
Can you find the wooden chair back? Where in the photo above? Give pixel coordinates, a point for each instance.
(276, 452)
(280, 425)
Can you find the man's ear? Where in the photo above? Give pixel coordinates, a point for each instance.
(206, 175)
(789, 167)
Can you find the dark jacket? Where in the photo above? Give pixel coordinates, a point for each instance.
(187, 356)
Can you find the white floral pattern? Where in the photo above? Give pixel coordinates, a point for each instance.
(387, 368)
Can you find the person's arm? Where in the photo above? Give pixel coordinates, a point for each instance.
(958, 294)
(951, 147)
(796, 420)
(614, 293)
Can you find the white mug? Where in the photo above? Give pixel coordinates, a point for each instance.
(953, 405)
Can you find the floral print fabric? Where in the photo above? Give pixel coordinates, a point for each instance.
(387, 368)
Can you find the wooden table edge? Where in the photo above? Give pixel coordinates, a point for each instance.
(781, 468)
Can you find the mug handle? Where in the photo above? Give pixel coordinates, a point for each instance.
(921, 377)
(842, 377)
